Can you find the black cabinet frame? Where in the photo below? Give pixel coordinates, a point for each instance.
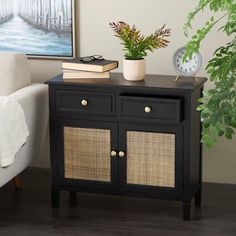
(186, 126)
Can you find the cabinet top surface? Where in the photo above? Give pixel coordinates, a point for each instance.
(150, 81)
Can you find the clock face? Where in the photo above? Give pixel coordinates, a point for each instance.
(190, 67)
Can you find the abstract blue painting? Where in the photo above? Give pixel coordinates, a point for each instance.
(38, 28)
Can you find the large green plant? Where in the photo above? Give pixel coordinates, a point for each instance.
(218, 105)
(136, 45)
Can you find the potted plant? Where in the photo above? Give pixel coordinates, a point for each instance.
(218, 105)
(136, 46)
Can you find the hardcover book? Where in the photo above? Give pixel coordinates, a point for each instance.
(77, 74)
(93, 66)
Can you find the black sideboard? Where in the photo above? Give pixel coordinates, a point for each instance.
(127, 138)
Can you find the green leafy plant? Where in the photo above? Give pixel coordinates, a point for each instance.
(218, 105)
(136, 45)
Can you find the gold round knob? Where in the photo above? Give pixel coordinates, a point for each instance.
(121, 154)
(113, 153)
(147, 109)
(84, 102)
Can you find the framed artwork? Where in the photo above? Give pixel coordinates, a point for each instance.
(38, 28)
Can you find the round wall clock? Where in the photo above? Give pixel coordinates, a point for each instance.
(188, 68)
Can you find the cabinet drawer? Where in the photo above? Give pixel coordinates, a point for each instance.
(162, 109)
(84, 102)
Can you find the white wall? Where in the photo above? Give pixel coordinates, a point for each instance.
(95, 37)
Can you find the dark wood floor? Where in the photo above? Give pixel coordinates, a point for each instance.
(28, 212)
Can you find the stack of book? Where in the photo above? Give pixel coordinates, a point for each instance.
(97, 69)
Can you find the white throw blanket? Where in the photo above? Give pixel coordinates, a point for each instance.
(13, 130)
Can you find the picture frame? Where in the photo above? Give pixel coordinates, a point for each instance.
(38, 28)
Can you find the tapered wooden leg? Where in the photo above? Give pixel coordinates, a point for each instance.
(17, 182)
(198, 197)
(186, 211)
(55, 197)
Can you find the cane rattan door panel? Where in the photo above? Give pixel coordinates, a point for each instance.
(151, 159)
(87, 154)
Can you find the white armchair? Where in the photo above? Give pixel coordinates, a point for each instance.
(15, 82)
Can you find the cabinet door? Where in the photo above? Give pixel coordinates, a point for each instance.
(152, 161)
(85, 154)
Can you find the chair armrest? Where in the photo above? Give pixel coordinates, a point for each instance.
(34, 101)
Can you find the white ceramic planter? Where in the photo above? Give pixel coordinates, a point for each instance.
(134, 70)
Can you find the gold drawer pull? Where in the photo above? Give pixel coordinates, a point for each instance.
(121, 154)
(84, 102)
(147, 109)
(113, 153)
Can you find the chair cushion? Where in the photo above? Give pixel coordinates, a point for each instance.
(14, 73)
